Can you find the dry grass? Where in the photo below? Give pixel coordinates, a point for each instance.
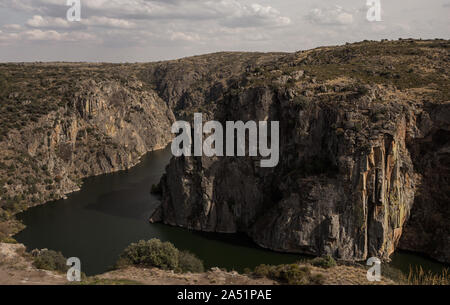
(418, 276)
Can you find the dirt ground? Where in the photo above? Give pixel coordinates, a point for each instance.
(16, 268)
(154, 276)
(348, 275)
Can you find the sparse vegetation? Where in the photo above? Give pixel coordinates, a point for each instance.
(151, 253)
(50, 260)
(164, 255)
(324, 262)
(292, 274)
(418, 276)
(188, 262)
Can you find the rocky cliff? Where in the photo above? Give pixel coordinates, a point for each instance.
(97, 126)
(363, 144)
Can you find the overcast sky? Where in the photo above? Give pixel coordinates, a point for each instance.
(149, 30)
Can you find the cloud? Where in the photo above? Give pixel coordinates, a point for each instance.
(12, 27)
(330, 16)
(37, 35)
(7, 38)
(184, 36)
(229, 12)
(108, 22)
(239, 15)
(47, 22)
(161, 29)
(51, 35)
(141, 22)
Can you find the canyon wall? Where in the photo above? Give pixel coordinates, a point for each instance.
(104, 128)
(364, 142)
(358, 155)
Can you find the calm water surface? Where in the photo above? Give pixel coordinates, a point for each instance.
(111, 211)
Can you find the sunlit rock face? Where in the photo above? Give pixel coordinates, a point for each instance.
(357, 157)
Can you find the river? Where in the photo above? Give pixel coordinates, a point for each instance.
(111, 211)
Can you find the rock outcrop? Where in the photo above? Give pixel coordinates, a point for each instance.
(363, 143)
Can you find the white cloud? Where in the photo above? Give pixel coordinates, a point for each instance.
(184, 36)
(39, 35)
(108, 22)
(12, 27)
(161, 29)
(47, 22)
(330, 16)
(240, 15)
(45, 35)
(7, 38)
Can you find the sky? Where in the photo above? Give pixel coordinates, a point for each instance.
(151, 30)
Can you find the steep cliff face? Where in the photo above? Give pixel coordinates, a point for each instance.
(335, 190)
(353, 157)
(105, 127)
(428, 229)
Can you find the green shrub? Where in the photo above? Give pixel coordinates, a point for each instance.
(292, 274)
(164, 255)
(324, 262)
(50, 260)
(188, 262)
(151, 253)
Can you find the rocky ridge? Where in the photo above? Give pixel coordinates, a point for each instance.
(364, 144)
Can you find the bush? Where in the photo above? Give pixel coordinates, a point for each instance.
(292, 274)
(164, 255)
(324, 262)
(188, 262)
(151, 253)
(50, 260)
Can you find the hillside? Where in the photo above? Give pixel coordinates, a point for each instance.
(364, 142)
